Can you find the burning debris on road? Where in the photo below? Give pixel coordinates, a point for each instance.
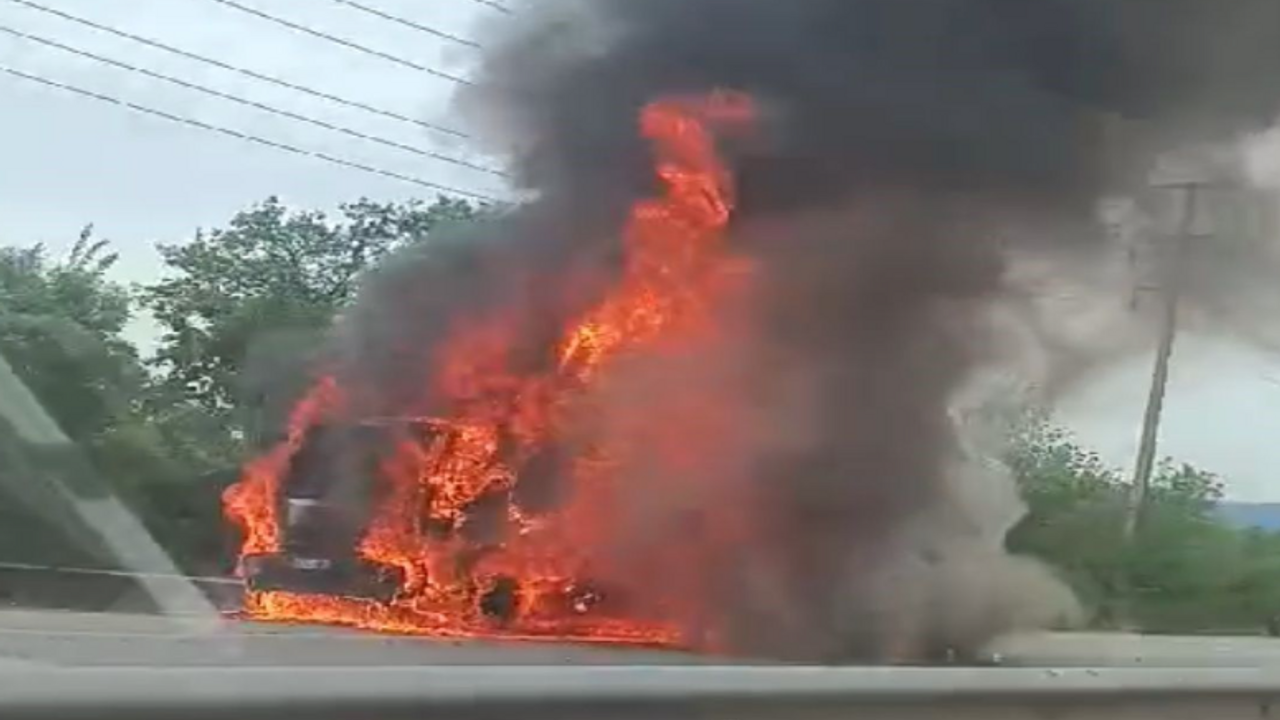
(702, 391)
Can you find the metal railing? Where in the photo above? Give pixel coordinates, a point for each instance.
(740, 693)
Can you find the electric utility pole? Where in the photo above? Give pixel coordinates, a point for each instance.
(1172, 276)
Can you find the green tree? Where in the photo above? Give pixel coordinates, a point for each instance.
(61, 331)
(61, 325)
(1185, 560)
(1075, 506)
(241, 309)
(1186, 570)
(268, 285)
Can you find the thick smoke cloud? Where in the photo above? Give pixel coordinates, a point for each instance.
(959, 95)
(910, 155)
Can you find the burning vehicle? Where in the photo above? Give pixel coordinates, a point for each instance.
(416, 524)
(318, 530)
(321, 523)
(701, 389)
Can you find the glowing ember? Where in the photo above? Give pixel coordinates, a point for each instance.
(473, 561)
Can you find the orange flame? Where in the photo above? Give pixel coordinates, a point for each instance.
(497, 420)
(251, 503)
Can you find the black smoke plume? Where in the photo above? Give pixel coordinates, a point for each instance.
(907, 153)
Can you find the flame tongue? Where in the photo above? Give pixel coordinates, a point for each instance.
(252, 503)
(446, 518)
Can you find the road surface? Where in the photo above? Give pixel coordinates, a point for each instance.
(100, 639)
(71, 638)
(142, 667)
(1086, 649)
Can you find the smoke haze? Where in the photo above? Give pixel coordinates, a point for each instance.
(920, 196)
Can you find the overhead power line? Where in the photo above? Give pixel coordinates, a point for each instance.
(342, 41)
(247, 137)
(408, 23)
(242, 71)
(495, 5)
(252, 103)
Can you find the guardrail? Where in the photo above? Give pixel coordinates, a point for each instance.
(210, 580)
(95, 589)
(706, 693)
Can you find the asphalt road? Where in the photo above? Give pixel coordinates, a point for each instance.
(102, 639)
(1084, 649)
(97, 639)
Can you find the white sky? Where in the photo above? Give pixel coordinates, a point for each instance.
(1222, 413)
(66, 161)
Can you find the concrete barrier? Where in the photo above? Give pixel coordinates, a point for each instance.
(707, 693)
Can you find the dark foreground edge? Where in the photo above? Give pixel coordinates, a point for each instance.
(532, 693)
